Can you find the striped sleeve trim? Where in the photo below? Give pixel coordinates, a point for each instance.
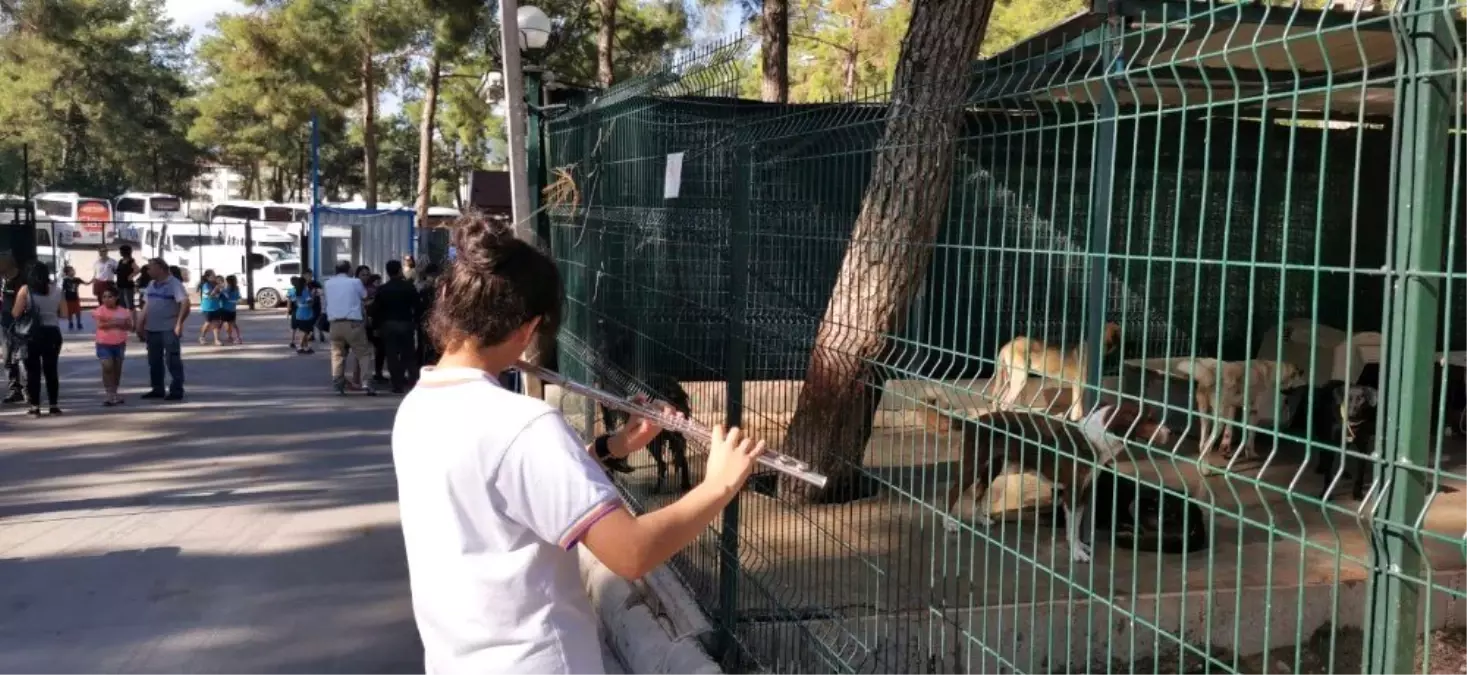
(573, 535)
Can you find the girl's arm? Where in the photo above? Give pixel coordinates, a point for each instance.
(22, 300)
(631, 546)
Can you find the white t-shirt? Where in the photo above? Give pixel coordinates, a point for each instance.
(495, 491)
(105, 269)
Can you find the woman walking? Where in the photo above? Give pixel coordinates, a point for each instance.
(38, 312)
(229, 309)
(114, 322)
(209, 305)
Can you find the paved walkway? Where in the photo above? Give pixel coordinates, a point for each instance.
(251, 528)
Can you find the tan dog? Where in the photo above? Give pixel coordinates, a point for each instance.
(1022, 356)
(995, 442)
(1220, 392)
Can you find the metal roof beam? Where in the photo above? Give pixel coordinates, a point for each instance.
(1251, 13)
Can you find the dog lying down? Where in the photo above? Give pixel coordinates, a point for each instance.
(1144, 517)
(996, 442)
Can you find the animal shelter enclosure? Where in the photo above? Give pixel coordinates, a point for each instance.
(1243, 222)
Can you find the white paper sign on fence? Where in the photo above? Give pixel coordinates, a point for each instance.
(672, 183)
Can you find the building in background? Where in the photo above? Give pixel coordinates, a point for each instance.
(217, 183)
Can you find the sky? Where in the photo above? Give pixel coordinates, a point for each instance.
(196, 14)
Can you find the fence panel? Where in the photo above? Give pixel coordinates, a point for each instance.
(1251, 217)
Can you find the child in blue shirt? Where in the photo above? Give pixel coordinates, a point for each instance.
(228, 308)
(209, 304)
(302, 306)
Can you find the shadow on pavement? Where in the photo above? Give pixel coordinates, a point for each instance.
(337, 607)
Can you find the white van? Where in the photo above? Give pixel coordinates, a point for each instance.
(81, 221)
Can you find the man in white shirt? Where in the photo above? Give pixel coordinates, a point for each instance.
(104, 272)
(343, 304)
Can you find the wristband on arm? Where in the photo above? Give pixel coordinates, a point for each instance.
(602, 449)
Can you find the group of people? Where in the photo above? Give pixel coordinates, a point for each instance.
(372, 321)
(219, 298)
(33, 305)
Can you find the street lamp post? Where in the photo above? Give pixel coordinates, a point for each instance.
(533, 34)
(523, 28)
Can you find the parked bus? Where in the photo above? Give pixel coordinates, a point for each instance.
(80, 221)
(267, 221)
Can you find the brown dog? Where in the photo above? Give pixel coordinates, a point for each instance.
(995, 442)
(1023, 355)
(1221, 387)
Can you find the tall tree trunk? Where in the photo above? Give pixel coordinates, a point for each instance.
(425, 138)
(890, 246)
(369, 122)
(277, 183)
(605, 42)
(852, 55)
(774, 50)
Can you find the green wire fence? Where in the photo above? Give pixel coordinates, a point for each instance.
(1272, 186)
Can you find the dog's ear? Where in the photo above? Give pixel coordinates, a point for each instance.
(1117, 418)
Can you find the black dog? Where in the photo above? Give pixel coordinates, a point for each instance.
(668, 390)
(1345, 415)
(611, 418)
(1144, 517)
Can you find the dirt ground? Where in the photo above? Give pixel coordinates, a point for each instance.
(1328, 650)
(889, 554)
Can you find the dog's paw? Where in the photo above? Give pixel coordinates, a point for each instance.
(983, 520)
(952, 525)
(1080, 553)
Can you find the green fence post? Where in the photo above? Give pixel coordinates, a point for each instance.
(589, 243)
(1102, 184)
(738, 296)
(1418, 201)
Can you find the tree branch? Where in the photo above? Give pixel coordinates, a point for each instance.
(828, 43)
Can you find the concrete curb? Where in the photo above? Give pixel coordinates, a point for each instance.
(651, 625)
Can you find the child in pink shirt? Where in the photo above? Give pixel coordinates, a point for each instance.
(114, 324)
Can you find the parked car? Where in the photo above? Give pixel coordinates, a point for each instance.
(272, 282)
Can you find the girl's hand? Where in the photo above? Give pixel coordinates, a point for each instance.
(638, 431)
(731, 458)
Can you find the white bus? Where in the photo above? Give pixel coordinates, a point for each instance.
(267, 222)
(157, 227)
(80, 221)
(147, 207)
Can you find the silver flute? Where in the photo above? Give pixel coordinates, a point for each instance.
(780, 462)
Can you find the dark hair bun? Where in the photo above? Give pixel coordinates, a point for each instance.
(483, 244)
